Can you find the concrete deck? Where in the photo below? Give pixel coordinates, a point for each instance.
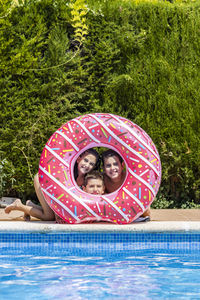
(161, 220)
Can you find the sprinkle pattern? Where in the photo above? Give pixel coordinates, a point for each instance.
(56, 170)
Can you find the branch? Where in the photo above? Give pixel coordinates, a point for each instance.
(29, 169)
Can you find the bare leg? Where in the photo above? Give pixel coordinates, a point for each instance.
(44, 213)
(28, 210)
(30, 203)
(47, 212)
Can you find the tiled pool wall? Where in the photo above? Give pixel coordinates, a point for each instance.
(101, 241)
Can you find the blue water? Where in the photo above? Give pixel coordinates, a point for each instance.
(99, 266)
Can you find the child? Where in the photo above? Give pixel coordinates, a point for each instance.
(94, 183)
(86, 162)
(115, 174)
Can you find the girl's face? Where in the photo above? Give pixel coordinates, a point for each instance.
(113, 167)
(86, 163)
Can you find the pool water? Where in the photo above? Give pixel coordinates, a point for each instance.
(99, 266)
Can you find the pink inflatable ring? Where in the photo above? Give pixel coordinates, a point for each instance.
(56, 170)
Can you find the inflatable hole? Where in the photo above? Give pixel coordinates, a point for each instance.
(115, 165)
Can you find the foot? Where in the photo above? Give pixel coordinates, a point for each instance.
(16, 205)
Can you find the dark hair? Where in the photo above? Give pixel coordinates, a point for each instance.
(93, 175)
(95, 153)
(89, 151)
(110, 153)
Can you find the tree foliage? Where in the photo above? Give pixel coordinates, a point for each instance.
(138, 59)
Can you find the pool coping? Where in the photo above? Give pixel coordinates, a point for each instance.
(47, 227)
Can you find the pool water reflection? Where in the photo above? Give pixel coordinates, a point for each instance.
(126, 268)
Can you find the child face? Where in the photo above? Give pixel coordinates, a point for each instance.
(113, 167)
(94, 186)
(86, 163)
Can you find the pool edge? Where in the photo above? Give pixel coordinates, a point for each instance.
(156, 226)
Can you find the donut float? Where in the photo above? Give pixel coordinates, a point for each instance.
(56, 170)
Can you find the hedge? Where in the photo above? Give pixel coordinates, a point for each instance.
(137, 59)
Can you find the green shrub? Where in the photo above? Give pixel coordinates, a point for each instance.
(36, 95)
(156, 84)
(138, 59)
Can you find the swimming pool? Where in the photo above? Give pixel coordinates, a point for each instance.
(99, 265)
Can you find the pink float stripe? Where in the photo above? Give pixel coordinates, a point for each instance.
(134, 198)
(61, 204)
(73, 195)
(125, 145)
(134, 159)
(144, 172)
(70, 128)
(135, 135)
(87, 131)
(95, 125)
(143, 181)
(98, 206)
(57, 156)
(68, 139)
(115, 207)
(49, 187)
